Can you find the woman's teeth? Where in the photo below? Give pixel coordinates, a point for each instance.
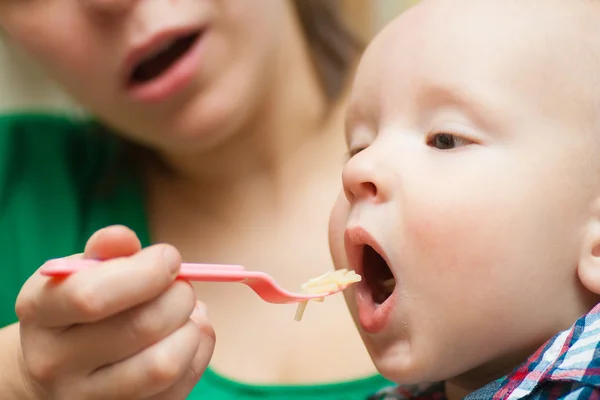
(158, 50)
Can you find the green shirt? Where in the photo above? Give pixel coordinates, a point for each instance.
(58, 185)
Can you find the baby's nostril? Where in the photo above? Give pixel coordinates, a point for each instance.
(369, 188)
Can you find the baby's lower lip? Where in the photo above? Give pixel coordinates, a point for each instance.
(373, 318)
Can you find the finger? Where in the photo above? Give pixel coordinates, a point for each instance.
(124, 335)
(184, 386)
(150, 372)
(49, 354)
(200, 318)
(35, 369)
(111, 242)
(42, 361)
(28, 299)
(114, 286)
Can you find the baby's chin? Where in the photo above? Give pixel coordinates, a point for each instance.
(404, 364)
(406, 357)
(403, 371)
(397, 361)
(392, 352)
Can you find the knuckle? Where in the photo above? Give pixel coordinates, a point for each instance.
(185, 292)
(144, 324)
(87, 301)
(44, 368)
(166, 313)
(163, 368)
(27, 302)
(25, 306)
(158, 275)
(159, 263)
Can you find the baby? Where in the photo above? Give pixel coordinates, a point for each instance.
(471, 202)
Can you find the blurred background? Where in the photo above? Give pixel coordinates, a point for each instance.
(23, 85)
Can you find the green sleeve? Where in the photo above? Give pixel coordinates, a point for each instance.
(52, 169)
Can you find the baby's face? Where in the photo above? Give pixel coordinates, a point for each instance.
(473, 175)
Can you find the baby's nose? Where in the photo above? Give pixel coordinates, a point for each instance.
(364, 178)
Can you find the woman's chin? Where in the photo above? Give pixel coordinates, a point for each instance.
(197, 129)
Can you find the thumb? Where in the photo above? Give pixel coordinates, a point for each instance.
(112, 242)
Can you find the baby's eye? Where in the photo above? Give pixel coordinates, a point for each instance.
(446, 141)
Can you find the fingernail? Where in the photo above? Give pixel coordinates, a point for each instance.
(172, 258)
(201, 309)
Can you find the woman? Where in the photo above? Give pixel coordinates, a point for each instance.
(227, 114)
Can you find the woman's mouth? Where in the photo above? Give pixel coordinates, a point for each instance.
(163, 66)
(160, 59)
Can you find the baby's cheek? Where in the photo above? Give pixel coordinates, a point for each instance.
(453, 279)
(452, 246)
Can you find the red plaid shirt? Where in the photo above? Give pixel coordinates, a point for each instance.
(566, 367)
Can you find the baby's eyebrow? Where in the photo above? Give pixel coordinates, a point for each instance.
(352, 117)
(437, 95)
(359, 112)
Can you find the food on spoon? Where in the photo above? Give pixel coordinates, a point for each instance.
(329, 282)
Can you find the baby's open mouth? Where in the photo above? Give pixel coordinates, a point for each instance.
(377, 275)
(161, 59)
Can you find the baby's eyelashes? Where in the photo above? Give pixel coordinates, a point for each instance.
(440, 141)
(447, 141)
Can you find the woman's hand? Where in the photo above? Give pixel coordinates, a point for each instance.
(125, 329)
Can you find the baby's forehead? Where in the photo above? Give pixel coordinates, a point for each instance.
(543, 50)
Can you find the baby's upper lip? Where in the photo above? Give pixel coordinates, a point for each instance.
(355, 240)
(153, 41)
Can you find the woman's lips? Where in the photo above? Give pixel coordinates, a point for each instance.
(174, 78)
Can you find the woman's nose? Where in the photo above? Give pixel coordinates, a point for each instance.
(364, 178)
(109, 6)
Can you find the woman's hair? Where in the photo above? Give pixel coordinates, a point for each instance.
(334, 48)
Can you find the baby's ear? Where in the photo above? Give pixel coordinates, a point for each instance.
(589, 259)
